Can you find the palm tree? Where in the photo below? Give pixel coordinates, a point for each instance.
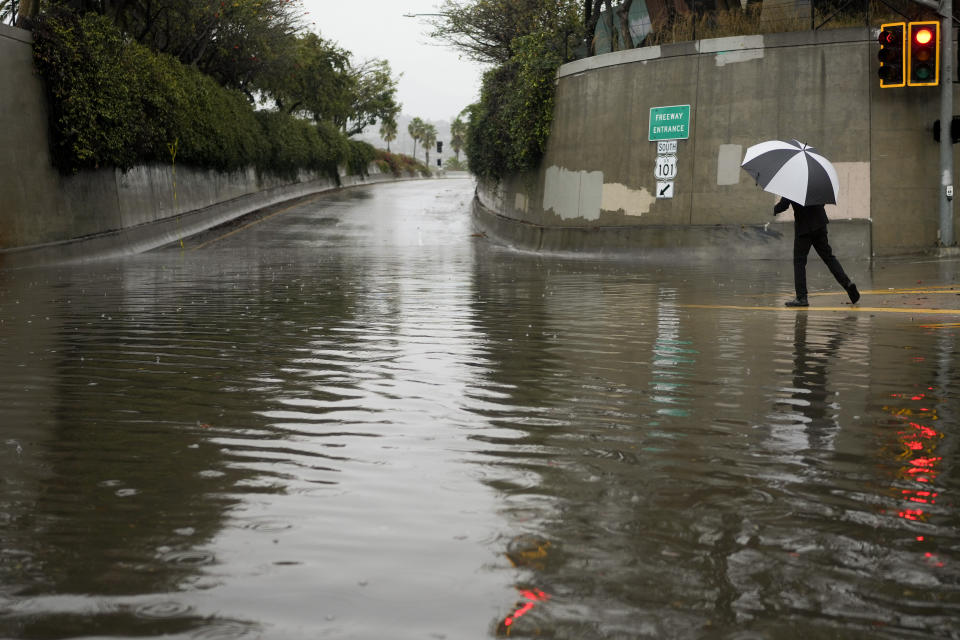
(415, 129)
(458, 135)
(388, 131)
(428, 136)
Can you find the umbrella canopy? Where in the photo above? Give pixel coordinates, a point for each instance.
(793, 170)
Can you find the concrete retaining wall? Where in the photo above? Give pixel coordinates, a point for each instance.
(820, 87)
(45, 215)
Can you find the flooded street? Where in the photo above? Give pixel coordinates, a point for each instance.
(354, 419)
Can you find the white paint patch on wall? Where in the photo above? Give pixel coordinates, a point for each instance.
(521, 202)
(854, 196)
(732, 57)
(728, 164)
(619, 197)
(733, 49)
(591, 194)
(561, 192)
(573, 194)
(730, 43)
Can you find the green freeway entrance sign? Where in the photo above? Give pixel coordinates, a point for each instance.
(670, 123)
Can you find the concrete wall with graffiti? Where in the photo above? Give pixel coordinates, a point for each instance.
(596, 185)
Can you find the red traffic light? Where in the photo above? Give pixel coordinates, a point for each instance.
(923, 54)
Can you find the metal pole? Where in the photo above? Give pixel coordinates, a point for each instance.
(946, 119)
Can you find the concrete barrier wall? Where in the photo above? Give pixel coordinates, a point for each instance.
(45, 215)
(820, 87)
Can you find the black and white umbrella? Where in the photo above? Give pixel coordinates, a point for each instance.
(793, 170)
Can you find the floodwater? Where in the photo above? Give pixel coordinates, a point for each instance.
(354, 419)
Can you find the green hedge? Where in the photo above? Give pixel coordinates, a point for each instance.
(359, 156)
(115, 103)
(509, 126)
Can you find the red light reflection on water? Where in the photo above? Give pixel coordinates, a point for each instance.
(911, 514)
(920, 464)
(532, 597)
(529, 553)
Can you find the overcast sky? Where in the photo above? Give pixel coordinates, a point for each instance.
(436, 84)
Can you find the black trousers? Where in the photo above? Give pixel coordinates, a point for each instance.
(801, 247)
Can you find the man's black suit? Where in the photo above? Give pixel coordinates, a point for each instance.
(810, 225)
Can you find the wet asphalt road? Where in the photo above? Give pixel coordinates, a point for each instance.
(354, 418)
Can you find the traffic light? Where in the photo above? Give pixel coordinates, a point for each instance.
(923, 54)
(439, 146)
(891, 55)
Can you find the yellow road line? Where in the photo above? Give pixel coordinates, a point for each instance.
(250, 224)
(881, 292)
(949, 312)
(872, 292)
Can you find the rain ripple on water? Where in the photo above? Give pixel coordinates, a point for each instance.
(385, 439)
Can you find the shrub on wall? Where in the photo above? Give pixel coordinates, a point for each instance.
(359, 156)
(488, 141)
(92, 103)
(296, 144)
(115, 103)
(509, 126)
(399, 164)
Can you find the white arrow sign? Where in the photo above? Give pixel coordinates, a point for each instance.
(665, 189)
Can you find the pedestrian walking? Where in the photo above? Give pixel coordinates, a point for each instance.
(810, 230)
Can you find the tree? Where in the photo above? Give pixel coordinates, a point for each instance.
(373, 94)
(415, 129)
(454, 164)
(458, 134)
(388, 130)
(258, 47)
(310, 77)
(19, 12)
(428, 136)
(526, 40)
(317, 78)
(509, 126)
(230, 41)
(485, 30)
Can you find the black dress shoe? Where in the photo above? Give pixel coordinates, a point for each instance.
(853, 293)
(797, 302)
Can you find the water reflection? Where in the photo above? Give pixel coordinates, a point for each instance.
(916, 485)
(358, 421)
(113, 488)
(705, 522)
(809, 397)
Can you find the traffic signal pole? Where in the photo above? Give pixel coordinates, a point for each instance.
(944, 9)
(946, 118)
